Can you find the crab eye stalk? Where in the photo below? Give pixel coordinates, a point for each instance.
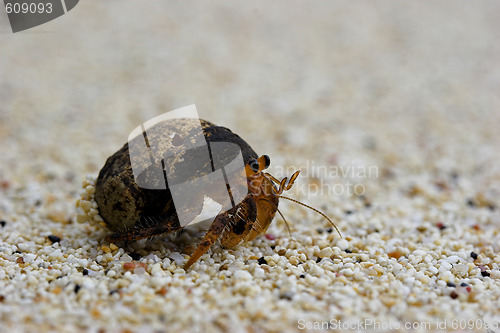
(254, 165)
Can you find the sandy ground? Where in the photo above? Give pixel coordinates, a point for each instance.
(398, 102)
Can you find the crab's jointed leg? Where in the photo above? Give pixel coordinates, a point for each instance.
(213, 233)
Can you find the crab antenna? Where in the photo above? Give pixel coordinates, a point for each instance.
(314, 209)
(292, 180)
(286, 223)
(284, 184)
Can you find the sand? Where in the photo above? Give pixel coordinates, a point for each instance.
(391, 112)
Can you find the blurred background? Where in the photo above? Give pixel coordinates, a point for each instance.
(410, 87)
(404, 85)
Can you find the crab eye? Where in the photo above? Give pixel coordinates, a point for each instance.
(254, 165)
(267, 161)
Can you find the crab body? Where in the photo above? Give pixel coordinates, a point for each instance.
(132, 212)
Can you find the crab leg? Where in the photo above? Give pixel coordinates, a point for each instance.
(213, 233)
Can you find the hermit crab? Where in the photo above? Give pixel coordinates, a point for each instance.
(134, 212)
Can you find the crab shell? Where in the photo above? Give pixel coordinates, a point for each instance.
(133, 212)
